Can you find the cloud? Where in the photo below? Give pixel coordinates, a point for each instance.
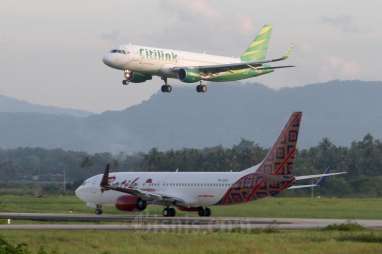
(246, 24)
(344, 23)
(112, 36)
(339, 68)
(199, 8)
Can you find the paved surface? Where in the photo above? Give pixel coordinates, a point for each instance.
(153, 223)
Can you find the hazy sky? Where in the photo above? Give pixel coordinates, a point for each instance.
(51, 50)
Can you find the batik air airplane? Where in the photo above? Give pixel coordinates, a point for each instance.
(141, 63)
(197, 191)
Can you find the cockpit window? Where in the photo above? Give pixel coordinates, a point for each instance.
(120, 51)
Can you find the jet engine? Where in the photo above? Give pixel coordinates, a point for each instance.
(189, 75)
(137, 77)
(130, 203)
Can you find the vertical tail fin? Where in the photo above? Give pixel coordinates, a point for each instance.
(279, 160)
(273, 174)
(257, 50)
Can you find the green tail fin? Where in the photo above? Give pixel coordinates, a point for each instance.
(258, 48)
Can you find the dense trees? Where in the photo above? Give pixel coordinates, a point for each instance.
(363, 161)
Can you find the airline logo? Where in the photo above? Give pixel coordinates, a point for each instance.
(157, 54)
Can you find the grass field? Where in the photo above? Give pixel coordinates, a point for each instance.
(114, 242)
(257, 241)
(357, 208)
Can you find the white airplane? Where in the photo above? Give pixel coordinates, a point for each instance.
(141, 63)
(196, 191)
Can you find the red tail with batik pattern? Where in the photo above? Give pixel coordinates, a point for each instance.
(279, 160)
(274, 173)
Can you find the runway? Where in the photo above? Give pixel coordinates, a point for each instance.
(156, 223)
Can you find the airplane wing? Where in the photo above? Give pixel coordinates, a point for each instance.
(257, 65)
(145, 195)
(321, 179)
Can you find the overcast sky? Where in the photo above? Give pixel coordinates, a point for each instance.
(51, 50)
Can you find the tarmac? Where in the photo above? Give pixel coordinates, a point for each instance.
(157, 223)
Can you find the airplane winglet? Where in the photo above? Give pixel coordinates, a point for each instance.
(105, 178)
(288, 53)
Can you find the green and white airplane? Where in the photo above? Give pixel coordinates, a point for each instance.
(141, 63)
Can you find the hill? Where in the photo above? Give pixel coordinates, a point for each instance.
(340, 110)
(12, 105)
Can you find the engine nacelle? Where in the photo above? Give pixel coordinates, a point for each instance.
(189, 75)
(136, 77)
(130, 203)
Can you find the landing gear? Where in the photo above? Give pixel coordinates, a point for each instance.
(127, 75)
(169, 212)
(166, 88)
(201, 88)
(204, 212)
(141, 204)
(98, 210)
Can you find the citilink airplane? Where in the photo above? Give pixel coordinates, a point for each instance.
(196, 191)
(141, 63)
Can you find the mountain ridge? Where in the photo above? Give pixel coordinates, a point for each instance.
(9, 104)
(343, 111)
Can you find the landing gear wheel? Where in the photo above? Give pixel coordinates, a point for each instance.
(204, 212)
(125, 82)
(141, 205)
(98, 210)
(201, 212)
(166, 89)
(201, 88)
(169, 212)
(172, 211)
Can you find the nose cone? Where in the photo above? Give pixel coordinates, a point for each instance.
(108, 60)
(115, 60)
(80, 193)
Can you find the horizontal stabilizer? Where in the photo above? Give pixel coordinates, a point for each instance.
(318, 176)
(274, 67)
(302, 186)
(321, 179)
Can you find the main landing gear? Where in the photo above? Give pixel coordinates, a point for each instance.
(201, 88)
(169, 212)
(204, 212)
(166, 88)
(98, 210)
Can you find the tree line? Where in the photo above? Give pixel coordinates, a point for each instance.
(362, 160)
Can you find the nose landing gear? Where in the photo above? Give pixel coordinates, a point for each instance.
(98, 210)
(127, 75)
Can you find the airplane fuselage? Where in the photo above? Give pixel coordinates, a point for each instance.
(195, 188)
(157, 61)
